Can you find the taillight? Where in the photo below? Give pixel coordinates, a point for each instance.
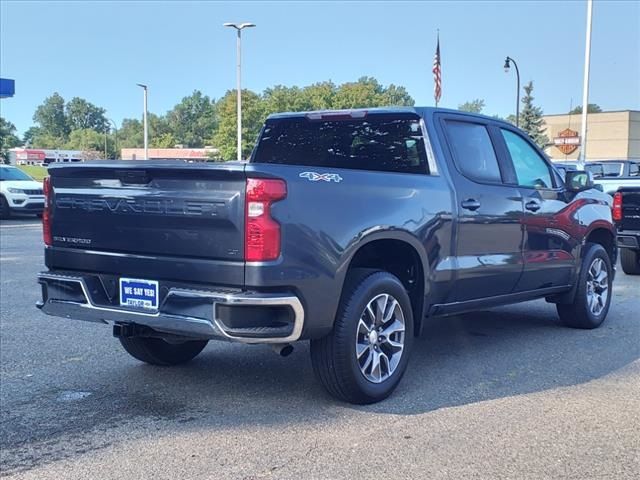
(46, 213)
(262, 232)
(616, 210)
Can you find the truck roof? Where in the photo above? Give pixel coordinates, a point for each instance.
(360, 112)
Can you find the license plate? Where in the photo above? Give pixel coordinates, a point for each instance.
(139, 293)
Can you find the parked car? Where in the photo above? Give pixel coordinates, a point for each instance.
(595, 168)
(19, 193)
(346, 228)
(626, 213)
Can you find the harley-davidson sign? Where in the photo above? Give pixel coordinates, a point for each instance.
(567, 141)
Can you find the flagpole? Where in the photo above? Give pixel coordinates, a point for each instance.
(438, 44)
(439, 61)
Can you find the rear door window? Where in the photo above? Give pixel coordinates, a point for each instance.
(380, 142)
(473, 151)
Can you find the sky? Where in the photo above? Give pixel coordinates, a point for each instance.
(100, 50)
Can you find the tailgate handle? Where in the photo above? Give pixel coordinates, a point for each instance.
(135, 177)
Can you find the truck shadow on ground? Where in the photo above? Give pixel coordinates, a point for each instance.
(458, 360)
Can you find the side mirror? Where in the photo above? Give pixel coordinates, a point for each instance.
(578, 180)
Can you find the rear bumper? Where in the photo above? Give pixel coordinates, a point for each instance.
(274, 317)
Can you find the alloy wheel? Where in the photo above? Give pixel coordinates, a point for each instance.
(597, 286)
(380, 338)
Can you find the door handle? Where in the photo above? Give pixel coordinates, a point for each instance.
(532, 206)
(471, 204)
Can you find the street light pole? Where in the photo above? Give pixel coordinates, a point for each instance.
(585, 89)
(144, 121)
(507, 64)
(239, 27)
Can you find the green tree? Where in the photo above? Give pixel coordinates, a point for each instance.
(283, 99)
(30, 135)
(47, 140)
(82, 114)
(91, 142)
(51, 118)
(511, 119)
(397, 96)
(318, 96)
(192, 120)
(166, 140)
(158, 127)
(8, 139)
(474, 106)
(591, 108)
(531, 118)
(253, 115)
(368, 92)
(130, 134)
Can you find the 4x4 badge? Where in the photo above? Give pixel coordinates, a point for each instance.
(325, 177)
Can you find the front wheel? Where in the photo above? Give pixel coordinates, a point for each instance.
(593, 291)
(157, 351)
(365, 356)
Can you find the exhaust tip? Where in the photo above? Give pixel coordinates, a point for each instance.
(283, 349)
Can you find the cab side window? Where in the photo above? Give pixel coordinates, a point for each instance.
(531, 169)
(473, 151)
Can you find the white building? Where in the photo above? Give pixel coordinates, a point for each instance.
(37, 156)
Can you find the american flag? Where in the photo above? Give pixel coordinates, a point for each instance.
(437, 74)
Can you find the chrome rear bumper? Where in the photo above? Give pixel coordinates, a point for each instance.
(184, 312)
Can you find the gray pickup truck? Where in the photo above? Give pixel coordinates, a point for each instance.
(345, 228)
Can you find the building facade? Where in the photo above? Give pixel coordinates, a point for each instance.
(610, 135)
(192, 154)
(39, 156)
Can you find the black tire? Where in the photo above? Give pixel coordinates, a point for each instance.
(579, 314)
(334, 357)
(630, 261)
(157, 351)
(5, 211)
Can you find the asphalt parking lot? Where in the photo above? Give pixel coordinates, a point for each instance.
(504, 393)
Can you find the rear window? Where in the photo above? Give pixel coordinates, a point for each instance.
(389, 143)
(612, 169)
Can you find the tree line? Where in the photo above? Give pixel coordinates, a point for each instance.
(199, 120)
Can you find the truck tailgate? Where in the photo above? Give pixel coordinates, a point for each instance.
(169, 208)
(630, 208)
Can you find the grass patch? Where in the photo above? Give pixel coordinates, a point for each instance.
(35, 171)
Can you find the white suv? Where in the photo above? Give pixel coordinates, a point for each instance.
(19, 193)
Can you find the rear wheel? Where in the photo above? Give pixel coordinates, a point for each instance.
(5, 212)
(630, 261)
(365, 356)
(157, 351)
(593, 291)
